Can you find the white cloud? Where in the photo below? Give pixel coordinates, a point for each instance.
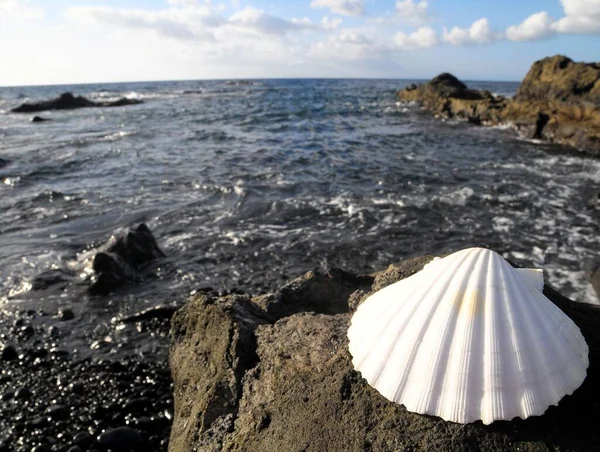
(180, 23)
(256, 20)
(347, 45)
(411, 11)
(330, 24)
(536, 26)
(581, 17)
(478, 33)
(20, 9)
(183, 2)
(423, 37)
(344, 7)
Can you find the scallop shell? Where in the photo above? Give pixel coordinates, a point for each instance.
(467, 338)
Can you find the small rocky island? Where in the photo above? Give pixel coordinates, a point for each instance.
(558, 101)
(68, 101)
(273, 372)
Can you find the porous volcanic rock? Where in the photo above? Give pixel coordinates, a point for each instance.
(558, 100)
(246, 378)
(68, 101)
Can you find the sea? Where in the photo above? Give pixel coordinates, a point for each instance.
(248, 184)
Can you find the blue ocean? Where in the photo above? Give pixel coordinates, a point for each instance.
(248, 184)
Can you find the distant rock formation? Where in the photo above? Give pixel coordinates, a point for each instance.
(558, 101)
(68, 101)
(273, 372)
(39, 119)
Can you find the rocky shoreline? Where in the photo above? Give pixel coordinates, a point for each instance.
(59, 398)
(274, 373)
(557, 101)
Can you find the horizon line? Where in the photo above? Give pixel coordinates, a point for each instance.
(244, 79)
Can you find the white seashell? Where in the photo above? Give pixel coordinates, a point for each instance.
(467, 338)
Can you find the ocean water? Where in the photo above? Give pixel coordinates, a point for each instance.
(248, 185)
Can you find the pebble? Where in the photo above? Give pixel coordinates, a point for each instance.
(58, 412)
(66, 314)
(122, 438)
(23, 393)
(41, 421)
(9, 353)
(83, 439)
(135, 406)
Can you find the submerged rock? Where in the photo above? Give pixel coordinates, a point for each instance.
(120, 262)
(274, 373)
(68, 101)
(558, 100)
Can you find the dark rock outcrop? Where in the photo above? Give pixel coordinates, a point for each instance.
(122, 260)
(558, 100)
(39, 119)
(68, 101)
(274, 373)
(53, 278)
(3, 162)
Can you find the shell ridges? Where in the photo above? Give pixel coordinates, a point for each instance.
(468, 338)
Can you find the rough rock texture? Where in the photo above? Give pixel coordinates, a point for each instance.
(67, 101)
(246, 378)
(558, 100)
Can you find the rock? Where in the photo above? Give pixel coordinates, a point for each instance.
(9, 353)
(68, 101)
(121, 439)
(156, 312)
(83, 439)
(540, 123)
(121, 261)
(39, 119)
(558, 100)
(594, 276)
(53, 278)
(137, 406)
(3, 162)
(66, 314)
(23, 393)
(58, 412)
(559, 78)
(274, 373)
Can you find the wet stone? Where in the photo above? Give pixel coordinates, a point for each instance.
(137, 405)
(83, 439)
(23, 393)
(9, 353)
(38, 422)
(66, 314)
(58, 412)
(122, 438)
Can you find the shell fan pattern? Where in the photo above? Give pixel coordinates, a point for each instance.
(467, 338)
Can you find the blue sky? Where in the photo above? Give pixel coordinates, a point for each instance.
(79, 41)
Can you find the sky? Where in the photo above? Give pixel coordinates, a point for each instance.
(92, 41)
